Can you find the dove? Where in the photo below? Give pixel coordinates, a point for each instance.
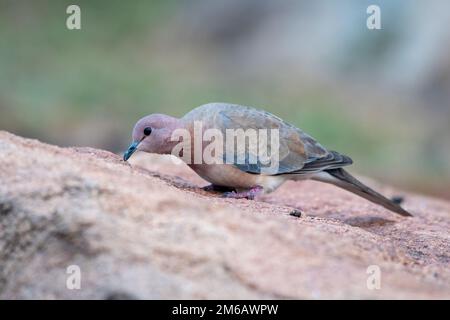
(298, 156)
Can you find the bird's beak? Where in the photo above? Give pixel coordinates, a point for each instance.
(131, 149)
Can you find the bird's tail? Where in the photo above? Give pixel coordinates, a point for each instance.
(345, 180)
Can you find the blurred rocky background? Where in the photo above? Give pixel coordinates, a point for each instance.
(380, 96)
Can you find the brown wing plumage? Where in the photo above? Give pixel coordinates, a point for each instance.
(299, 153)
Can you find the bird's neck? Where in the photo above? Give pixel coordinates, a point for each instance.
(171, 133)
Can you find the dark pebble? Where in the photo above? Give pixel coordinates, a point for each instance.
(397, 199)
(295, 213)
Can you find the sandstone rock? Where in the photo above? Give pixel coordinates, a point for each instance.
(147, 231)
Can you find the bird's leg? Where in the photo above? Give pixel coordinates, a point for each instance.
(249, 194)
(214, 187)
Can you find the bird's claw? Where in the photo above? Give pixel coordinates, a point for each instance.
(250, 194)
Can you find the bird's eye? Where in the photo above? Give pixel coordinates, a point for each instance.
(147, 131)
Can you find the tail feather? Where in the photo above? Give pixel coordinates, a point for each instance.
(345, 180)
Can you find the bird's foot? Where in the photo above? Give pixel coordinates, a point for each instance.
(216, 188)
(249, 194)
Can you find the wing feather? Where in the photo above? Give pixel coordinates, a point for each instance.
(299, 153)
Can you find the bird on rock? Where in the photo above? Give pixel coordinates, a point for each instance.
(298, 156)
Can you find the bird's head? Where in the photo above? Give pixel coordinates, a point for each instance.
(152, 134)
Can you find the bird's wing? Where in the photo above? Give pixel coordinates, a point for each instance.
(298, 153)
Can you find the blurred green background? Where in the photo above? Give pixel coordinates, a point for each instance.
(380, 96)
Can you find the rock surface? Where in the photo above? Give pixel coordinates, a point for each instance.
(146, 230)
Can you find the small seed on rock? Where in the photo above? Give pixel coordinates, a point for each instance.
(397, 199)
(5, 208)
(295, 213)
